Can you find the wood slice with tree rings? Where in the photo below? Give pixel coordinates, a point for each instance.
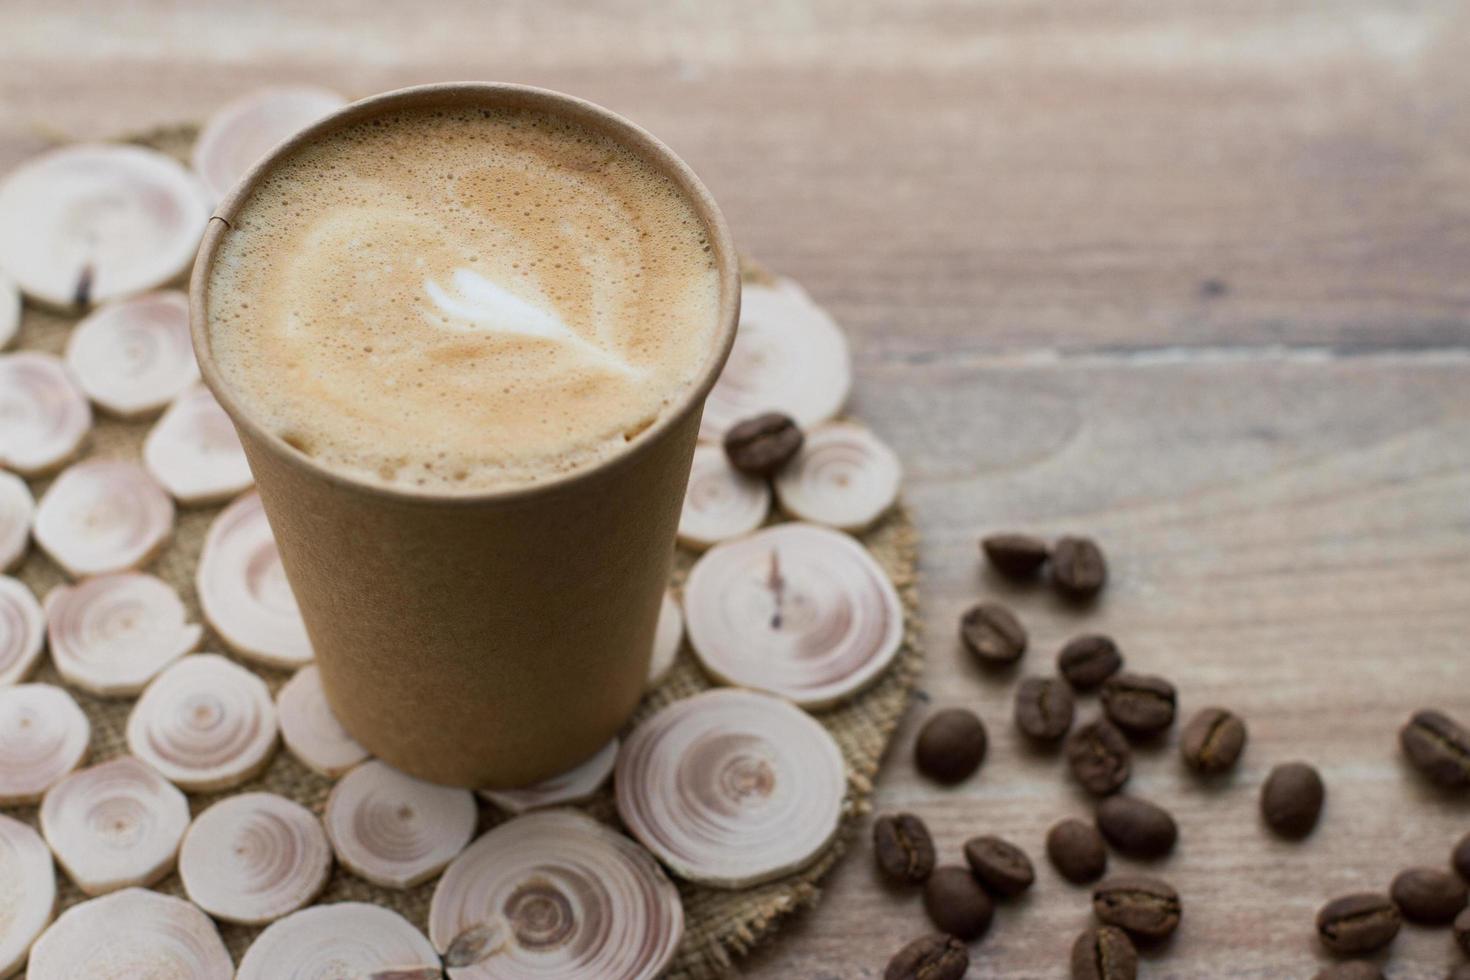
(43, 414)
(344, 941)
(194, 452)
(668, 635)
(309, 728)
(253, 858)
(43, 736)
(101, 516)
(133, 356)
(789, 356)
(569, 898)
(204, 723)
(394, 830)
(134, 934)
(27, 892)
(720, 502)
(795, 609)
(112, 634)
(9, 310)
(115, 825)
(17, 511)
(243, 589)
(572, 786)
(237, 136)
(843, 476)
(731, 788)
(91, 222)
(22, 631)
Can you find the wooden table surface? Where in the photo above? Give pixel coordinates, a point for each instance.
(1191, 277)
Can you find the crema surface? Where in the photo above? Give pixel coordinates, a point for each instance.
(462, 300)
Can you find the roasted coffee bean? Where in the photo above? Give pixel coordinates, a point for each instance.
(951, 745)
(1088, 660)
(933, 957)
(1099, 757)
(1212, 741)
(903, 848)
(1078, 569)
(762, 445)
(1350, 970)
(1461, 929)
(1439, 747)
(1137, 827)
(1044, 708)
(1358, 923)
(1017, 556)
(1140, 704)
(1291, 799)
(1000, 866)
(1104, 953)
(1144, 907)
(1461, 972)
(1428, 896)
(1077, 851)
(1460, 857)
(956, 903)
(993, 634)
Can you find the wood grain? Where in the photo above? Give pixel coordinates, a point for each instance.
(1189, 277)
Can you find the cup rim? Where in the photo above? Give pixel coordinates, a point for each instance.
(486, 94)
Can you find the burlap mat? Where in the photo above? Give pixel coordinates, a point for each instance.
(720, 925)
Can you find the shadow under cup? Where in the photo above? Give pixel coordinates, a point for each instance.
(492, 639)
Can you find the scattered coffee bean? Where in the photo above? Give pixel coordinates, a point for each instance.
(1099, 757)
(903, 848)
(1044, 708)
(1104, 953)
(951, 745)
(1428, 896)
(1439, 747)
(1144, 907)
(1000, 866)
(1461, 972)
(1462, 931)
(1140, 704)
(1213, 740)
(762, 445)
(1088, 660)
(1078, 569)
(956, 903)
(1358, 923)
(1077, 851)
(1460, 857)
(1350, 970)
(932, 957)
(1137, 827)
(1291, 799)
(1017, 556)
(993, 634)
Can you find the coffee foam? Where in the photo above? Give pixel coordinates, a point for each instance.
(462, 300)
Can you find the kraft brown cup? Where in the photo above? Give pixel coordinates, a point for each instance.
(489, 639)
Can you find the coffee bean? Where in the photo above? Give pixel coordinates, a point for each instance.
(1428, 896)
(951, 745)
(1017, 556)
(956, 903)
(1078, 569)
(1461, 930)
(1350, 970)
(1291, 799)
(1099, 757)
(1145, 907)
(1140, 704)
(903, 848)
(1137, 827)
(1461, 972)
(1460, 857)
(1104, 953)
(1358, 923)
(993, 634)
(1439, 747)
(1212, 741)
(1077, 851)
(1088, 660)
(762, 445)
(1000, 866)
(1044, 708)
(932, 957)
